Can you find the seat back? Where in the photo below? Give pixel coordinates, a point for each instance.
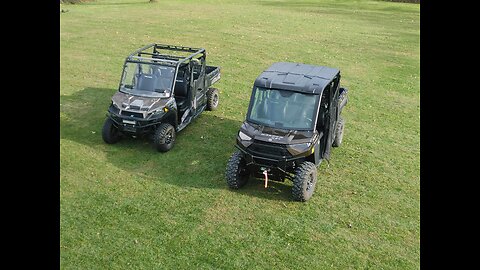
(181, 84)
(294, 112)
(275, 110)
(145, 82)
(163, 79)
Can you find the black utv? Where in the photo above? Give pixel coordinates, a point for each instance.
(293, 120)
(162, 89)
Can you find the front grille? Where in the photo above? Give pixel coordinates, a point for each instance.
(129, 128)
(132, 114)
(260, 148)
(265, 162)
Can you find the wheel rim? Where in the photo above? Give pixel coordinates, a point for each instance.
(310, 183)
(242, 171)
(215, 100)
(169, 137)
(340, 135)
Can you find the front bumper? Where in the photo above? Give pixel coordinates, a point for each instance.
(132, 124)
(277, 167)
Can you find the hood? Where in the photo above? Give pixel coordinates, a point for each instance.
(275, 135)
(140, 104)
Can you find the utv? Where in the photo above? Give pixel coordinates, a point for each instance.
(292, 122)
(162, 89)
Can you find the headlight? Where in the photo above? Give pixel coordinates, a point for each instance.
(115, 105)
(244, 139)
(296, 149)
(113, 108)
(157, 113)
(243, 136)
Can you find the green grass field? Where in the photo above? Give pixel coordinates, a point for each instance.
(126, 206)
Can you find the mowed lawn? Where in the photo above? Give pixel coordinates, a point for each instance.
(127, 206)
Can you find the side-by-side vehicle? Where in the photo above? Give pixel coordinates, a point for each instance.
(293, 120)
(162, 89)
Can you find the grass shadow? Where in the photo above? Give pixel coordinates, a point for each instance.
(198, 159)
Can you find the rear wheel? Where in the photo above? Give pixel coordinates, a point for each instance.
(339, 132)
(110, 132)
(164, 137)
(304, 181)
(212, 99)
(236, 174)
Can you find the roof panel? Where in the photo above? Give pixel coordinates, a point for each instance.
(296, 77)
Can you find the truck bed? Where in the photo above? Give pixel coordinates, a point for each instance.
(212, 75)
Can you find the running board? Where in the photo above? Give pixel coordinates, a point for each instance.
(186, 118)
(185, 114)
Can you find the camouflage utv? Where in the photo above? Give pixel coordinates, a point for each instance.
(162, 89)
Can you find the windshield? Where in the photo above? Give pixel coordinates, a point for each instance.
(147, 80)
(283, 109)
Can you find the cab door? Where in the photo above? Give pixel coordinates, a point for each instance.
(198, 84)
(336, 93)
(323, 121)
(332, 115)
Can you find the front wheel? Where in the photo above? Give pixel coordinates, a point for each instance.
(110, 132)
(304, 181)
(236, 174)
(164, 137)
(212, 99)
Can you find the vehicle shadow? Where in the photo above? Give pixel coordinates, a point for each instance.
(197, 160)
